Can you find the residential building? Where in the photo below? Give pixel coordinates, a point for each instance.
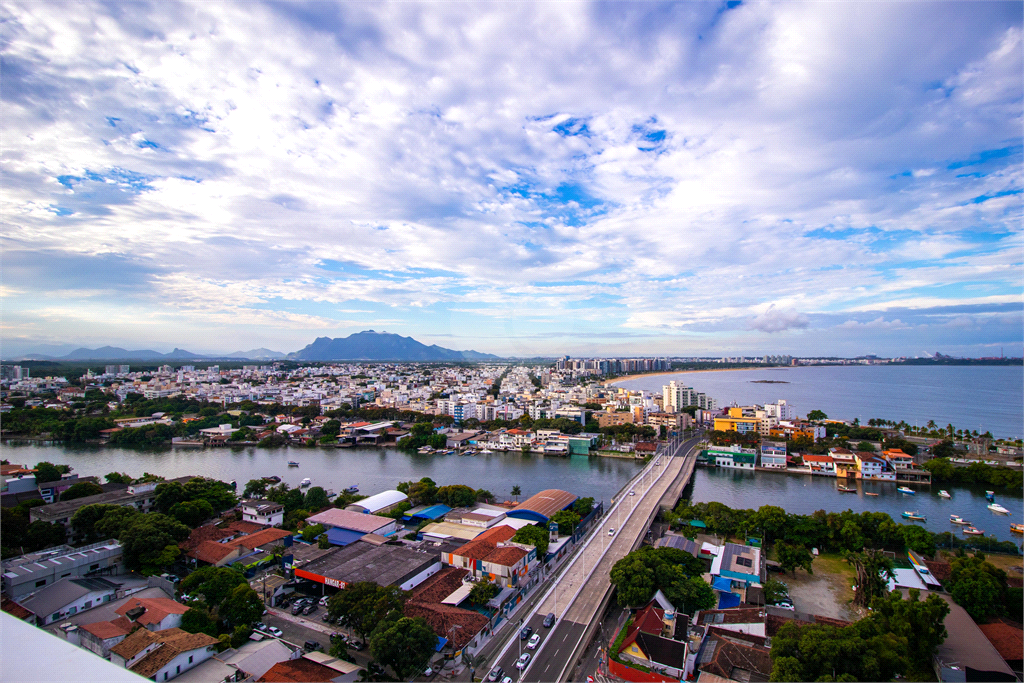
(819, 464)
(649, 642)
(733, 456)
(869, 466)
(744, 565)
(735, 421)
(345, 527)
(614, 418)
(773, 454)
(897, 459)
(264, 512)
(492, 556)
(162, 655)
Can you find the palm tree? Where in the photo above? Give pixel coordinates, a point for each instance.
(516, 491)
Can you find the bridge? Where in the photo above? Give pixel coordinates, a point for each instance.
(581, 593)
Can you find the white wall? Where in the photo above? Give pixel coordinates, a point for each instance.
(170, 670)
(422, 576)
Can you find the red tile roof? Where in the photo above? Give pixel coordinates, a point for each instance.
(439, 586)
(1007, 638)
(506, 557)
(156, 609)
(14, 609)
(265, 537)
(443, 617)
(299, 671)
(211, 552)
(485, 544)
(107, 629)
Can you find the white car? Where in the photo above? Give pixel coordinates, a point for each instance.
(524, 659)
(276, 632)
(533, 642)
(323, 600)
(632, 493)
(611, 532)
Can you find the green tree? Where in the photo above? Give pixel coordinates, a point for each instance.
(978, 586)
(40, 534)
(405, 645)
(792, 556)
(114, 520)
(255, 488)
(516, 492)
(583, 507)
(242, 606)
(192, 513)
(695, 593)
(944, 449)
(168, 495)
(149, 540)
(84, 520)
(198, 621)
(331, 428)
(81, 490)
(535, 536)
(456, 495)
(866, 447)
(917, 539)
(873, 573)
(816, 416)
(639, 574)
(310, 533)
(213, 583)
(482, 591)
(567, 521)
(770, 520)
(46, 471)
(774, 591)
(364, 605)
(118, 478)
(316, 499)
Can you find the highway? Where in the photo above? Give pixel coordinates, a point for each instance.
(580, 593)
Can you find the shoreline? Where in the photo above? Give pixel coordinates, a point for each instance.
(613, 382)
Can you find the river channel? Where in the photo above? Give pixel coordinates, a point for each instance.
(803, 494)
(372, 469)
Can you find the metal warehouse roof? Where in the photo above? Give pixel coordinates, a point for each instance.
(377, 502)
(432, 512)
(540, 506)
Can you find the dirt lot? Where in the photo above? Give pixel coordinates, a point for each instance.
(827, 592)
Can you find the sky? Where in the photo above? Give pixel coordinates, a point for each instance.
(692, 178)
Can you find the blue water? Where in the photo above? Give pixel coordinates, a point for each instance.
(986, 398)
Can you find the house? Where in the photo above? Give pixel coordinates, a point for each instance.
(249, 662)
(749, 620)
(155, 614)
(162, 655)
(732, 658)
(223, 553)
(100, 636)
(733, 457)
(897, 459)
(743, 564)
(870, 466)
(773, 455)
(844, 462)
(312, 667)
(819, 464)
(436, 600)
(1007, 637)
(69, 596)
(263, 512)
(645, 645)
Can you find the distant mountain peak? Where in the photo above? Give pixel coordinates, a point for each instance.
(381, 346)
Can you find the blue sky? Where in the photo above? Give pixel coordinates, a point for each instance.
(517, 178)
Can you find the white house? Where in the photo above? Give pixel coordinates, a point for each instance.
(263, 512)
(162, 655)
(69, 596)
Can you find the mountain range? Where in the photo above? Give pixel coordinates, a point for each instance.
(368, 345)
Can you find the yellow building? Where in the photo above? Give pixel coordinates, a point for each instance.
(743, 425)
(613, 419)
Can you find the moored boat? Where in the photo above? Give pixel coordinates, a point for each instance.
(971, 531)
(274, 479)
(292, 463)
(869, 493)
(354, 488)
(990, 495)
(944, 494)
(305, 482)
(996, 507)
(847, 489)
(957, 519)
(914, 516)
(904, 489)
(1017, 528)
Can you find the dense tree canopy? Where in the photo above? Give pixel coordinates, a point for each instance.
(364, 605)
(81, 490)
(405, 645)
(535, 536)
(456, 495)
(151, 540)
(639, 574)
(242, 606)
(213, 583)
(978, 586)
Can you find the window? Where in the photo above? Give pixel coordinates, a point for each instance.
(744, 562)
(73, 610)
(64, 576)
(40, 583)
(165, 675)
(178, 669)
(190, 659)
(55, 616)
(87, 605)
(94, 567)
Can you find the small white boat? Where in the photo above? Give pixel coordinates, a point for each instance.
(957, 519)
(487, 450)
(996, 507)
(944, 494)
(971, 531)
(904, 489)
(305, 482)
(913, 516)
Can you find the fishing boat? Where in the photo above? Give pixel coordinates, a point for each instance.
(292, 463)
(487, 450)
(904, 489)
(847, 489)
(996, 507)
(868, 493)
(354, 488)
(273, 479)
(913, 516)
(944, 494)
(971, 531)
(305, 482)
(426, 450)
(957, 519)
(990, 495)
(1017, 528)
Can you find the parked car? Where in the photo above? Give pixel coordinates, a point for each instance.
(275, 631)
(323, 600)
(549, 620)
(311, 645)
(495, 674)
(326, 618)
(428, 672)
(534, 642)
(310, 608)
(357, 645)
(297, 607)
(524, 660)
(525, 632)
(260, 626)
(611, 532)
(506, 679)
